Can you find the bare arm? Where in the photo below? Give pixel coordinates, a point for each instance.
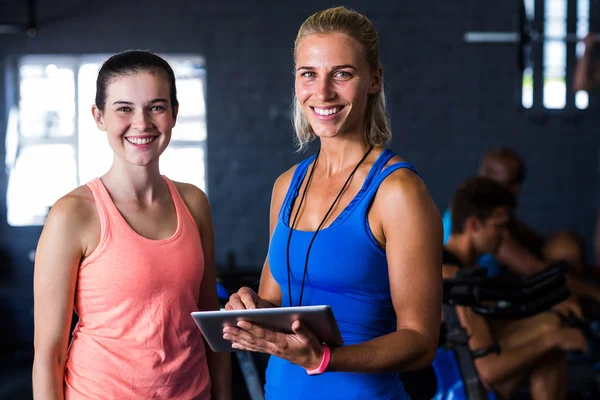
(219, 364)
(587, 72)
(412, 229)
(510, 361)
(493, 367)
(518, 259)
(515, 360)
(449, 271)
(58, 255)
(581, 288)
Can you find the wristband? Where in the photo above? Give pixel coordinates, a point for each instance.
(324, 362)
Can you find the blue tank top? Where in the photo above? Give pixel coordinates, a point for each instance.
(347, 269)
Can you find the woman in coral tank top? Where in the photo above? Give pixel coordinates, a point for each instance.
(132, 253)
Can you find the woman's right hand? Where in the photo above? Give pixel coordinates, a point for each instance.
(246, 299)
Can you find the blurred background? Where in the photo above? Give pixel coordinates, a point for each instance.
(454, 90)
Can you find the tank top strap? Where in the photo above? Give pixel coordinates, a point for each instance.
(103, 202)
(180, 207)
(375, 169)
(379, 178)
(378, 165)
(388, 171)
(292, 192)
(363, 208)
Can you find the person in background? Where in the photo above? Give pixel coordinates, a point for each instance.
(520, 251)
(534, 351)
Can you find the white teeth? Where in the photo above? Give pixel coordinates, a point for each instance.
(326, 111)
(139, 140)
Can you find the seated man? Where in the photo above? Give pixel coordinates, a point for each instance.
(520, 253)
(520, 250)
(481, 211)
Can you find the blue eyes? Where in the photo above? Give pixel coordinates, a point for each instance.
(337, 74)
(343, 74)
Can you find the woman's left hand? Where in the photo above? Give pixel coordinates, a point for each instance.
(301, 347)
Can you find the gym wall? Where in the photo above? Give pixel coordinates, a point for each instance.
(449, 102)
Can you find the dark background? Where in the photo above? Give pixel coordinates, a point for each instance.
(449, 102)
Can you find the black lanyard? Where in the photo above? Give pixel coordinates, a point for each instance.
(312, 170)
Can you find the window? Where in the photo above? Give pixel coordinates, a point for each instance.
(527, 85)
(583, 28)
(555, 46)
(53, 145)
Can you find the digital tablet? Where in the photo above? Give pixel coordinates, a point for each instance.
(318, 319)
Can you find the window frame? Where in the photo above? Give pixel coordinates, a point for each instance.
(75, 62)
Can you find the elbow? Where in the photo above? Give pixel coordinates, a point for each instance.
(48, 360)
(423, 359)
(428, 356)
(485, 369)
(428, 348)
(47, 376)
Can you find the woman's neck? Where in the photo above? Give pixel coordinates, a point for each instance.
(336, 155)
(143, 184)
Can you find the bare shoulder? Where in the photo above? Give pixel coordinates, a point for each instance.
(284, 180)
(76, 208)
(73, 220)
(403, 202)
(402, 185)
(195, 199)
(282, 183)
(191, 192)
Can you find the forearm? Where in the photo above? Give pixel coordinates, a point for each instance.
(510, 362)
(48, 379)
(262, 303)
(581, 76)
(517, 259)
(219, 367)
(403, 350)
(581, 288)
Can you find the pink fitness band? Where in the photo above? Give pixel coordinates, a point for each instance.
(324, 362)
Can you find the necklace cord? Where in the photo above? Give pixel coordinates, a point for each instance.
(320, 225)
